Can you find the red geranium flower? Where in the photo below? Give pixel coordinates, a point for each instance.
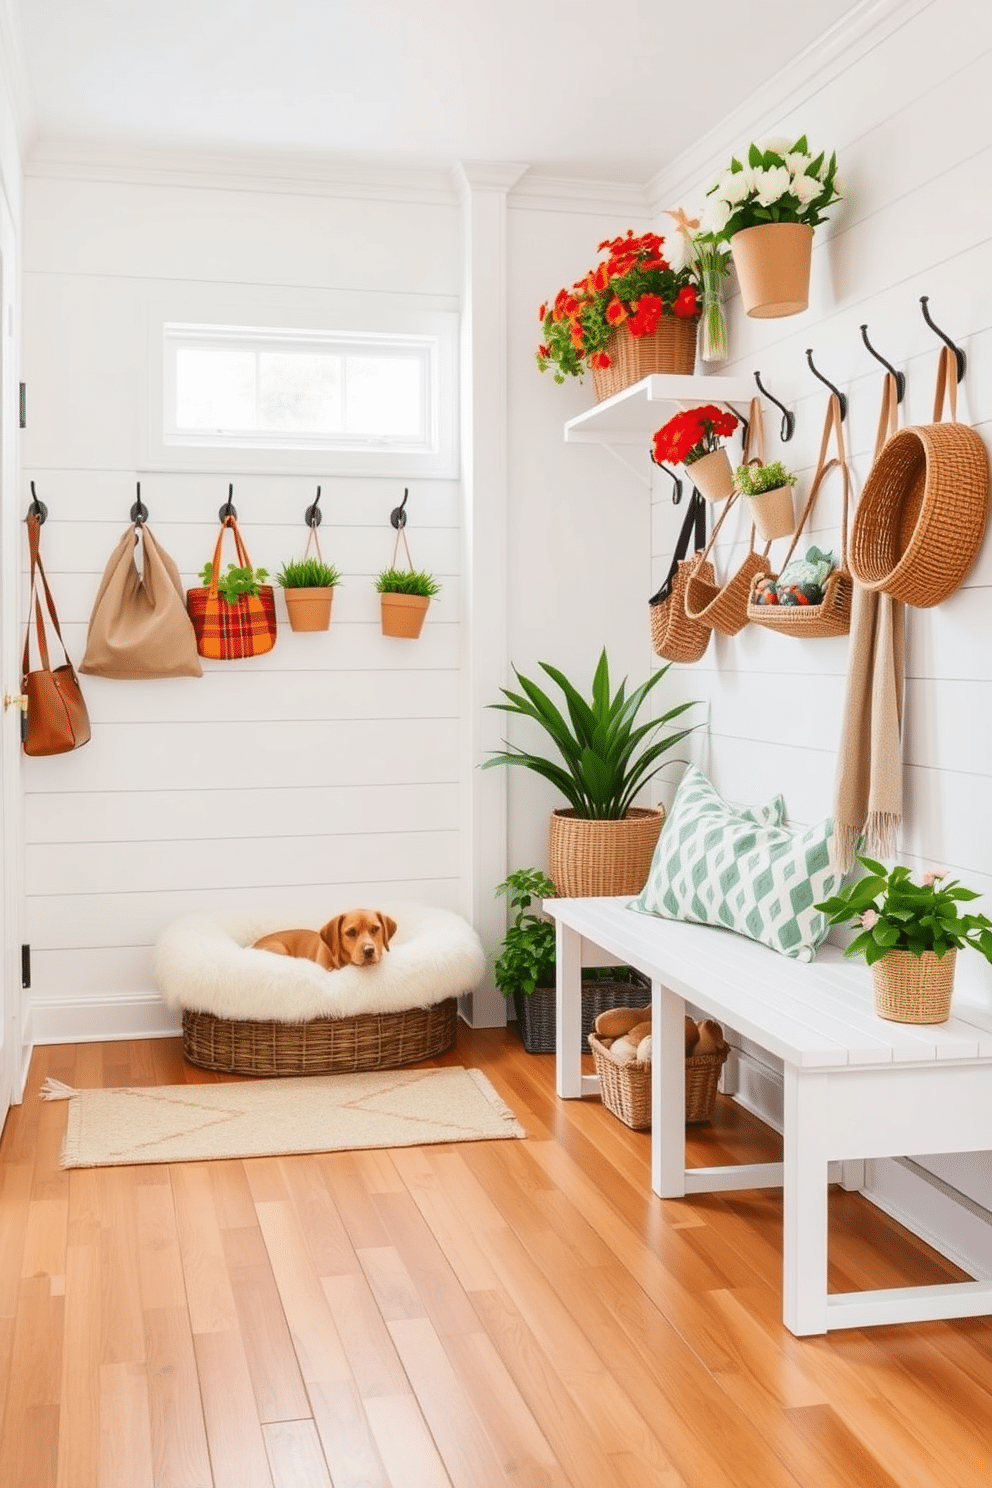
(647, 313)
(691, 434)
(615, 312)
(601, 360)
(542, 312)
(686, 302)
(578, 339)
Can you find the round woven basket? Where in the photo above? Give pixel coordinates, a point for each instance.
(319, 1046)
(922, 514)
(592, 859)
(671, 348)
(914, 989)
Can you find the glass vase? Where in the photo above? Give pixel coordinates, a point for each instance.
(713, 324)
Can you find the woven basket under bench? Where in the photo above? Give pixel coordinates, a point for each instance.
(320, 1046)
(537, 1013)
(626, 1088)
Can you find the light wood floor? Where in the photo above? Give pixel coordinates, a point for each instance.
(515, 1312)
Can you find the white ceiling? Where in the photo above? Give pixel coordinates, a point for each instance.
(580, 88)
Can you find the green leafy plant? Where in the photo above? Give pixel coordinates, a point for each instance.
(407, 581)
(236, 582)
(527, 956)
(896, 914)
(752, 480)
(308, 573)
(606, 756)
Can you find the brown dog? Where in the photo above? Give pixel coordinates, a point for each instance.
(356, 938)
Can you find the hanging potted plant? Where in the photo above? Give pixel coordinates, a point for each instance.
(693, 439)
(404, 596)
(766, 210)
(910, 936)
(308, 585)
(769, 492)
(600, 843)
(634, 314)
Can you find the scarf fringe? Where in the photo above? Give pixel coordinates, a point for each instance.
(881, 834)
(846, 842)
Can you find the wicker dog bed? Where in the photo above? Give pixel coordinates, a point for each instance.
(249, 1012)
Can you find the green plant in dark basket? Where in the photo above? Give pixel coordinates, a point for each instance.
(407, 581)
(308, 573)
(527, 956)
(236, 582)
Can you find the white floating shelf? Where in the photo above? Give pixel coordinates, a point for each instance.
(632, 415)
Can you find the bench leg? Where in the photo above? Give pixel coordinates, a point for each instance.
(667, 1092)
(804, 1245)
(568, 1012)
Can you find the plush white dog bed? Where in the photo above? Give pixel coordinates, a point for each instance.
(254, 1012)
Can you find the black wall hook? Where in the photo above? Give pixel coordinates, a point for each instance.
(37, 508)
(398, 515)
(959, 355)
(900, 377)
(313, 516)
(675, 480)
(841, 397)
(788, 417)
(139, 511)
(228, 509)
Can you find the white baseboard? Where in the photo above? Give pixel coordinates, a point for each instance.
(946, 1219)
(98, 1020)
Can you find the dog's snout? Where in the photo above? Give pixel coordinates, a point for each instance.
(368, 950)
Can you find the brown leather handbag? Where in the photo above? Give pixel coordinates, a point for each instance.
(56, 720)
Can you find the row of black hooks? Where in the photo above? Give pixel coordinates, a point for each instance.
(960, 359)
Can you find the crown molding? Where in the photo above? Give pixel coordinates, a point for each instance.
(204, 170)
(855, 34)
(486, 175)
(537, 193)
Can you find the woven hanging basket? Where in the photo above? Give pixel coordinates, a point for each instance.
(712, 475)
(671, 348)
(773, 264)
(914, 989)
(592, 859)
(723, 607)
(674, 637)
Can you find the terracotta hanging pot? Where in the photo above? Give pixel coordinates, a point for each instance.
(309, 609)
(773, 512)
(914, 989)
(773, 268)
(403, 615)
(712, 475)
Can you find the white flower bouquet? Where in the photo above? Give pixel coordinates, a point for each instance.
(781, 182)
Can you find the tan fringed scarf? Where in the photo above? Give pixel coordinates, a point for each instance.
(868, 799)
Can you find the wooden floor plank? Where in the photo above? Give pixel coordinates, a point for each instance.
(125, 1435)
(349, 1443)
(178, 1435)
(405, 1445)
(315, 1338)
(295, 1455)
(234, 1432)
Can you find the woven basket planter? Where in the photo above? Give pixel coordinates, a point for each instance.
(774, 512)
(321, 1046)
(537, 1013)
(914, 989)
(669, 349)
(922, 515)
(591, 859)
(626, 1088)
(773, 264)
(712, 475)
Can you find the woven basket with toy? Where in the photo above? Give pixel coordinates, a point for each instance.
(621, 1052)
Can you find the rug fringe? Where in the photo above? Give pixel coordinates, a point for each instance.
(56, 1090)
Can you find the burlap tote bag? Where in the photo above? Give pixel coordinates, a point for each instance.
(139, 627)
(674, 637)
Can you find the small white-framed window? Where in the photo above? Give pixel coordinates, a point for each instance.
(377, 400)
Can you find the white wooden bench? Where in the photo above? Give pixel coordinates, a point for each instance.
(855, 1086)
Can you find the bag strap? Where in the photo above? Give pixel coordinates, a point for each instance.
(754, 440)
(693, 527)
(244, 560)
(888, 414)
(947, 381)
(833, 426)
(34, 601)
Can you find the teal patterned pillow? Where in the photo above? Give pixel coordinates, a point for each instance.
(717, 866)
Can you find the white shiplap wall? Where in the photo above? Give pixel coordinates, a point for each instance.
(907, 109)
(327, 770)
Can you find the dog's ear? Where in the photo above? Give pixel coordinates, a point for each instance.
(388, 929)
(331, 936)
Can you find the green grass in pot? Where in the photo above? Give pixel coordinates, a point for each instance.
(308, 573)
(752, 480)
(606, 756)
(407, 581)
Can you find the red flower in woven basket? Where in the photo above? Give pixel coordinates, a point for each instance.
(691, 434)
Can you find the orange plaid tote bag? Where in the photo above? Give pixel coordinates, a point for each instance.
(227, 630)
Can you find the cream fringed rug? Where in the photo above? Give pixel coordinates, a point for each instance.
(264, 1118)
